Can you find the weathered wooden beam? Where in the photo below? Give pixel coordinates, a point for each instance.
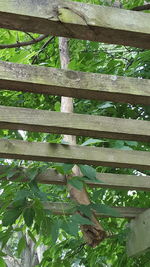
(61, 208)
(77, 20)
(51, 81)
(15, 149)
(65, 208)
(138, 240)
(106, 180)
(74, 124)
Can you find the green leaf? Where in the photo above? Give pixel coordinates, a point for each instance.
(36, 191)
(2, 262)
(28, 216)
(10, 216)
(57, 106)
(46, 226)
(92, 141)
(88, 171)
(70, 227)
(67, 167)
(81, 220)
(32, 173)
(118, 144)
(20, 197)
(131, 143)
(105, 210)
(54, 231)
(85, 209)
(76, 182)
(5, 236)
(31, 236)
(21, 245)
(2, 254)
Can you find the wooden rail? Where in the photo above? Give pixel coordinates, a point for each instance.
(106, 180)
(15, 149)
(51, 81)
(77, 20)
(74, 124)
(60, 208)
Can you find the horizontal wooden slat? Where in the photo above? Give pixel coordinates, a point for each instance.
(74, 124)
(15, 149)
(77, 20)
(51, 81)
(64, 208)
(107, 180)
(61, 208)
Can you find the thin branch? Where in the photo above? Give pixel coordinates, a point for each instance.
(20, 44)
(30, 35)
(141, 8)
(42, 48)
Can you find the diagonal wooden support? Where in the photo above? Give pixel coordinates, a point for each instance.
(138, 240)
(77, 20)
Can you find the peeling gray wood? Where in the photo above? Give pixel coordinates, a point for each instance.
(106, 180)
(61, 208)
(138, 240)
(74, 124)
(77, 20)
(52, 81)
(15, 149)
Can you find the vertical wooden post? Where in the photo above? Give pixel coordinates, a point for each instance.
(138, 240)
(93, 234)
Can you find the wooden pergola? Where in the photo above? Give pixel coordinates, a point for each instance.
(95, 23)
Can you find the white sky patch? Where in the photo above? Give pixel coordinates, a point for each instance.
(132, 192)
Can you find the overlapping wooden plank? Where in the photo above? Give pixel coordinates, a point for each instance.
(77, 20)
(106, 180)
(15, 149)
(73, 84)
(64, 208)
(74, 124)
(61, 208)
(138, 240)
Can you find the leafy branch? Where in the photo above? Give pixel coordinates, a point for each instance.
(21, 44)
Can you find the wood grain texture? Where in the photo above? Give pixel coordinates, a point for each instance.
(74, 124)
(60, 208)
(138, 240)
(106, 180)
(77, 20)
(15, 149)
(75, 84)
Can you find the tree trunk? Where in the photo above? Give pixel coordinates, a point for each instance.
(93, 234)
